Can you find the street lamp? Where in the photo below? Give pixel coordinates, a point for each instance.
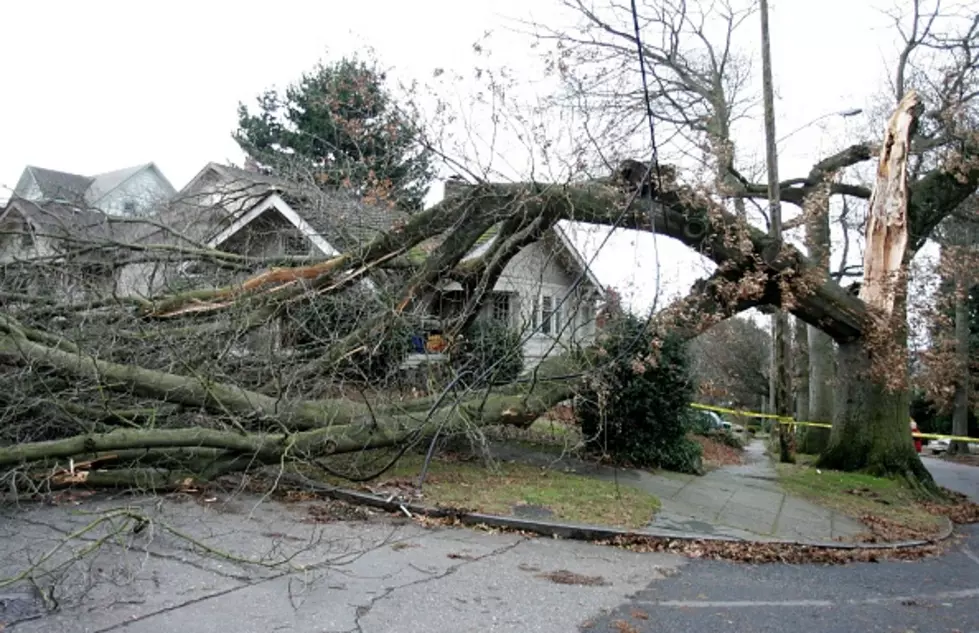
(842, 113)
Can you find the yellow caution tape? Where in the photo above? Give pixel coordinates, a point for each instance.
(784, 419)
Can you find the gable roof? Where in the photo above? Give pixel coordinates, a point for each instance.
(75, 226)
(104, 184)
(49, 185)
(340, 218)
(52, 185)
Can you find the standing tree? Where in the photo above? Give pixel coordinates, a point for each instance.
(340, 125)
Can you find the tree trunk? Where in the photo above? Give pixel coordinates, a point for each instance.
(800, 360)
(822, 379)
(822, 354)
(960, 414)
(871, 428)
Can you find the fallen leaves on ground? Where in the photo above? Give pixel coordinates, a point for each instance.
(960, 510)
(330, 510)
(738, 551)
(967, 460)
(565, 577)
(718, 454)
(885, 530)
(624, 627)
(759, 553)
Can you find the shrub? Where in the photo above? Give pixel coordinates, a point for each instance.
(726, 437)
(490, 351)
(635, 409)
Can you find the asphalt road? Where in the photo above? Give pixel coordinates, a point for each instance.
(939, 595)
(388, 576)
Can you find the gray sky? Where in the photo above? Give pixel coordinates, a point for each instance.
(97, 85)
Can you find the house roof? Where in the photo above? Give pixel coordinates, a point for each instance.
(73, 225)
(53, 185)
(61, 186)
(104, 184)
(339, 217)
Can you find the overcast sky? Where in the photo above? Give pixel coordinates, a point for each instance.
(97, 85)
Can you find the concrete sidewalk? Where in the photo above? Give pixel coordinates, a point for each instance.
(734, 501)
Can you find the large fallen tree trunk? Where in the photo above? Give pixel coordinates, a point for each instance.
(752, 270)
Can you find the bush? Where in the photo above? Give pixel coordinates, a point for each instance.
(727, 438)
(636, 410)
(490, 351)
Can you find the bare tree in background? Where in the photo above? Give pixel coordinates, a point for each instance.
(731, 362)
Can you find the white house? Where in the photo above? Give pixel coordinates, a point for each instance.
(133, 191)
(54, 215)
(547, 290)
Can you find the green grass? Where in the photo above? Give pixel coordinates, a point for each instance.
(545, 435)
(857, 495)
(474, 486)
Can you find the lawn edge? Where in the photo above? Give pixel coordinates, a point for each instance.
(583, 532)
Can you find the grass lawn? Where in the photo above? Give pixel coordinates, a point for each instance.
(471, 485)
(887, 506)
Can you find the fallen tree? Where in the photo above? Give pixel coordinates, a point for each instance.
(750, 272)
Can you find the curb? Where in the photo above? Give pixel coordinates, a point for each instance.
(591, 533)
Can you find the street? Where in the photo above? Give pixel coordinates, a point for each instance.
(933, 595)
(388, 575)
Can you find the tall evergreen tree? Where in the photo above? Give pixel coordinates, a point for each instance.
(342, 125)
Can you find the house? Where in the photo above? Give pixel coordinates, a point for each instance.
(133, 191)
(546, 290)
(54, 216)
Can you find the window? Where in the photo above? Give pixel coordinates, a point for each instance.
(129, 207)
(587, 318)
(501, 308)
(546, 312)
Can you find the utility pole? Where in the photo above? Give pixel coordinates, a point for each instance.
(780, 325)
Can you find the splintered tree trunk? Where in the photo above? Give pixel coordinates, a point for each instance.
(960, 414)
(871, 428)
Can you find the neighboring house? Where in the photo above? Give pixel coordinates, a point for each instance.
(133, 191)
(55, 216)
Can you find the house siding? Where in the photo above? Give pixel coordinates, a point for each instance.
(535, 272)
(144, 189)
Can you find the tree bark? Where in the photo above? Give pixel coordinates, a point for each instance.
(800, 360)
(960, 414)
(871, 428)
(822, 354)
